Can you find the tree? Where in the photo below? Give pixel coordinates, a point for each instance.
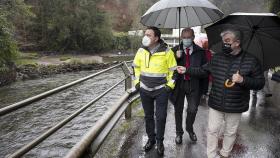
(275, 7)
(71, 25)
(8, 46)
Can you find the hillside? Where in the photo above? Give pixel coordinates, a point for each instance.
(126, 14)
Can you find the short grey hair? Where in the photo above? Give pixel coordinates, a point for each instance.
(237, 34)
(188, 29)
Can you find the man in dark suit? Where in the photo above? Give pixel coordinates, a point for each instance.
(188, 54)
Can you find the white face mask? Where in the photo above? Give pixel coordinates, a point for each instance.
(187, 42)
(146, 41)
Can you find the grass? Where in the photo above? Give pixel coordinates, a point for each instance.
(64, 58)
(124, 127)
(29, 55)
(29, 58)
(26, 62)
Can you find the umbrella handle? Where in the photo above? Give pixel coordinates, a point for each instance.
(229, 83)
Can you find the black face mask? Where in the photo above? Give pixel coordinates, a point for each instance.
(226, 48)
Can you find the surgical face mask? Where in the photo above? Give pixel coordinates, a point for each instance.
(146, 41)
(226, 48)
(187, 42)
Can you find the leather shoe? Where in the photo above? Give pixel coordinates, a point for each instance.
(178, 139)
(149, 145)
(192, 136)
(160, 148)
(268, 95)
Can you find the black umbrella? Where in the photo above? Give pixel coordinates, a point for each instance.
(261, 35)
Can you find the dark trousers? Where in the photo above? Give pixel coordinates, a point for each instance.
(161, 98)
(193, 97)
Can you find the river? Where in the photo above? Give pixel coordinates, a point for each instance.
(23, 125)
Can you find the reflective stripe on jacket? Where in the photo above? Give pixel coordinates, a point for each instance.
(154, 70)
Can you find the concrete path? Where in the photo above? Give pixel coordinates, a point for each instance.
(258, 136)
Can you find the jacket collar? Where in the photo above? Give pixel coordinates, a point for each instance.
(162, 46)
(195, 47)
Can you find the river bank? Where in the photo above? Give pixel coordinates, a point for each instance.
(32, 66)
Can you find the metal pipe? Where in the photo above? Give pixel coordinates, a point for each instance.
(97, 142)
(87, 139)
(25, 102)
(45, 135)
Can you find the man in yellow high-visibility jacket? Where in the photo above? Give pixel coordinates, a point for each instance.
(154, 64)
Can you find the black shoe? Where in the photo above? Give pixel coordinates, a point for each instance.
(192, 136)
(178, 139)
(268, 95)
(160, 148)
(149, 145)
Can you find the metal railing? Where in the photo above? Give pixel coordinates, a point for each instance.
(99, 131)
(97, 134)
(38, 97)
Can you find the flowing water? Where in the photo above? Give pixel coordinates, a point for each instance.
(25, 124)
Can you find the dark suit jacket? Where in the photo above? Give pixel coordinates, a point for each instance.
(197, 83)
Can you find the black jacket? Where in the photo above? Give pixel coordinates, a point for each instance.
(197, 59)
(222, 67)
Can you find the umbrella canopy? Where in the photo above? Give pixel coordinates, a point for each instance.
(261, 35)
(181, 13)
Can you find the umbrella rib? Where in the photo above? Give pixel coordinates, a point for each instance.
(176, 21)
(260, 21)
(270, 28)
(261, 49)
(248, 22)
(206, 11)
(197, 15)
(157, 18)
(268, 35)
(166, 17)
(186, 16)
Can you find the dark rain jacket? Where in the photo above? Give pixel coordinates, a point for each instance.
(222, 67)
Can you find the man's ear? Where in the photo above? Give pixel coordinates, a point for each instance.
(157, 39)
(238, 42)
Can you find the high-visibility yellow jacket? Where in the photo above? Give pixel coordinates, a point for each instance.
(156, 70)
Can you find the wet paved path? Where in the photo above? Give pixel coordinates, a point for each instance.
(258, 136)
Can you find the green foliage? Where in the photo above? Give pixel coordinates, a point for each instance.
(8, 47)
(120, 41)
(135, 42)
(20, 62)
(71, 25)
(274, 7)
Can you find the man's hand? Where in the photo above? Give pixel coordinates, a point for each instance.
(237, 78)
(178, 54)
(181, 69)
